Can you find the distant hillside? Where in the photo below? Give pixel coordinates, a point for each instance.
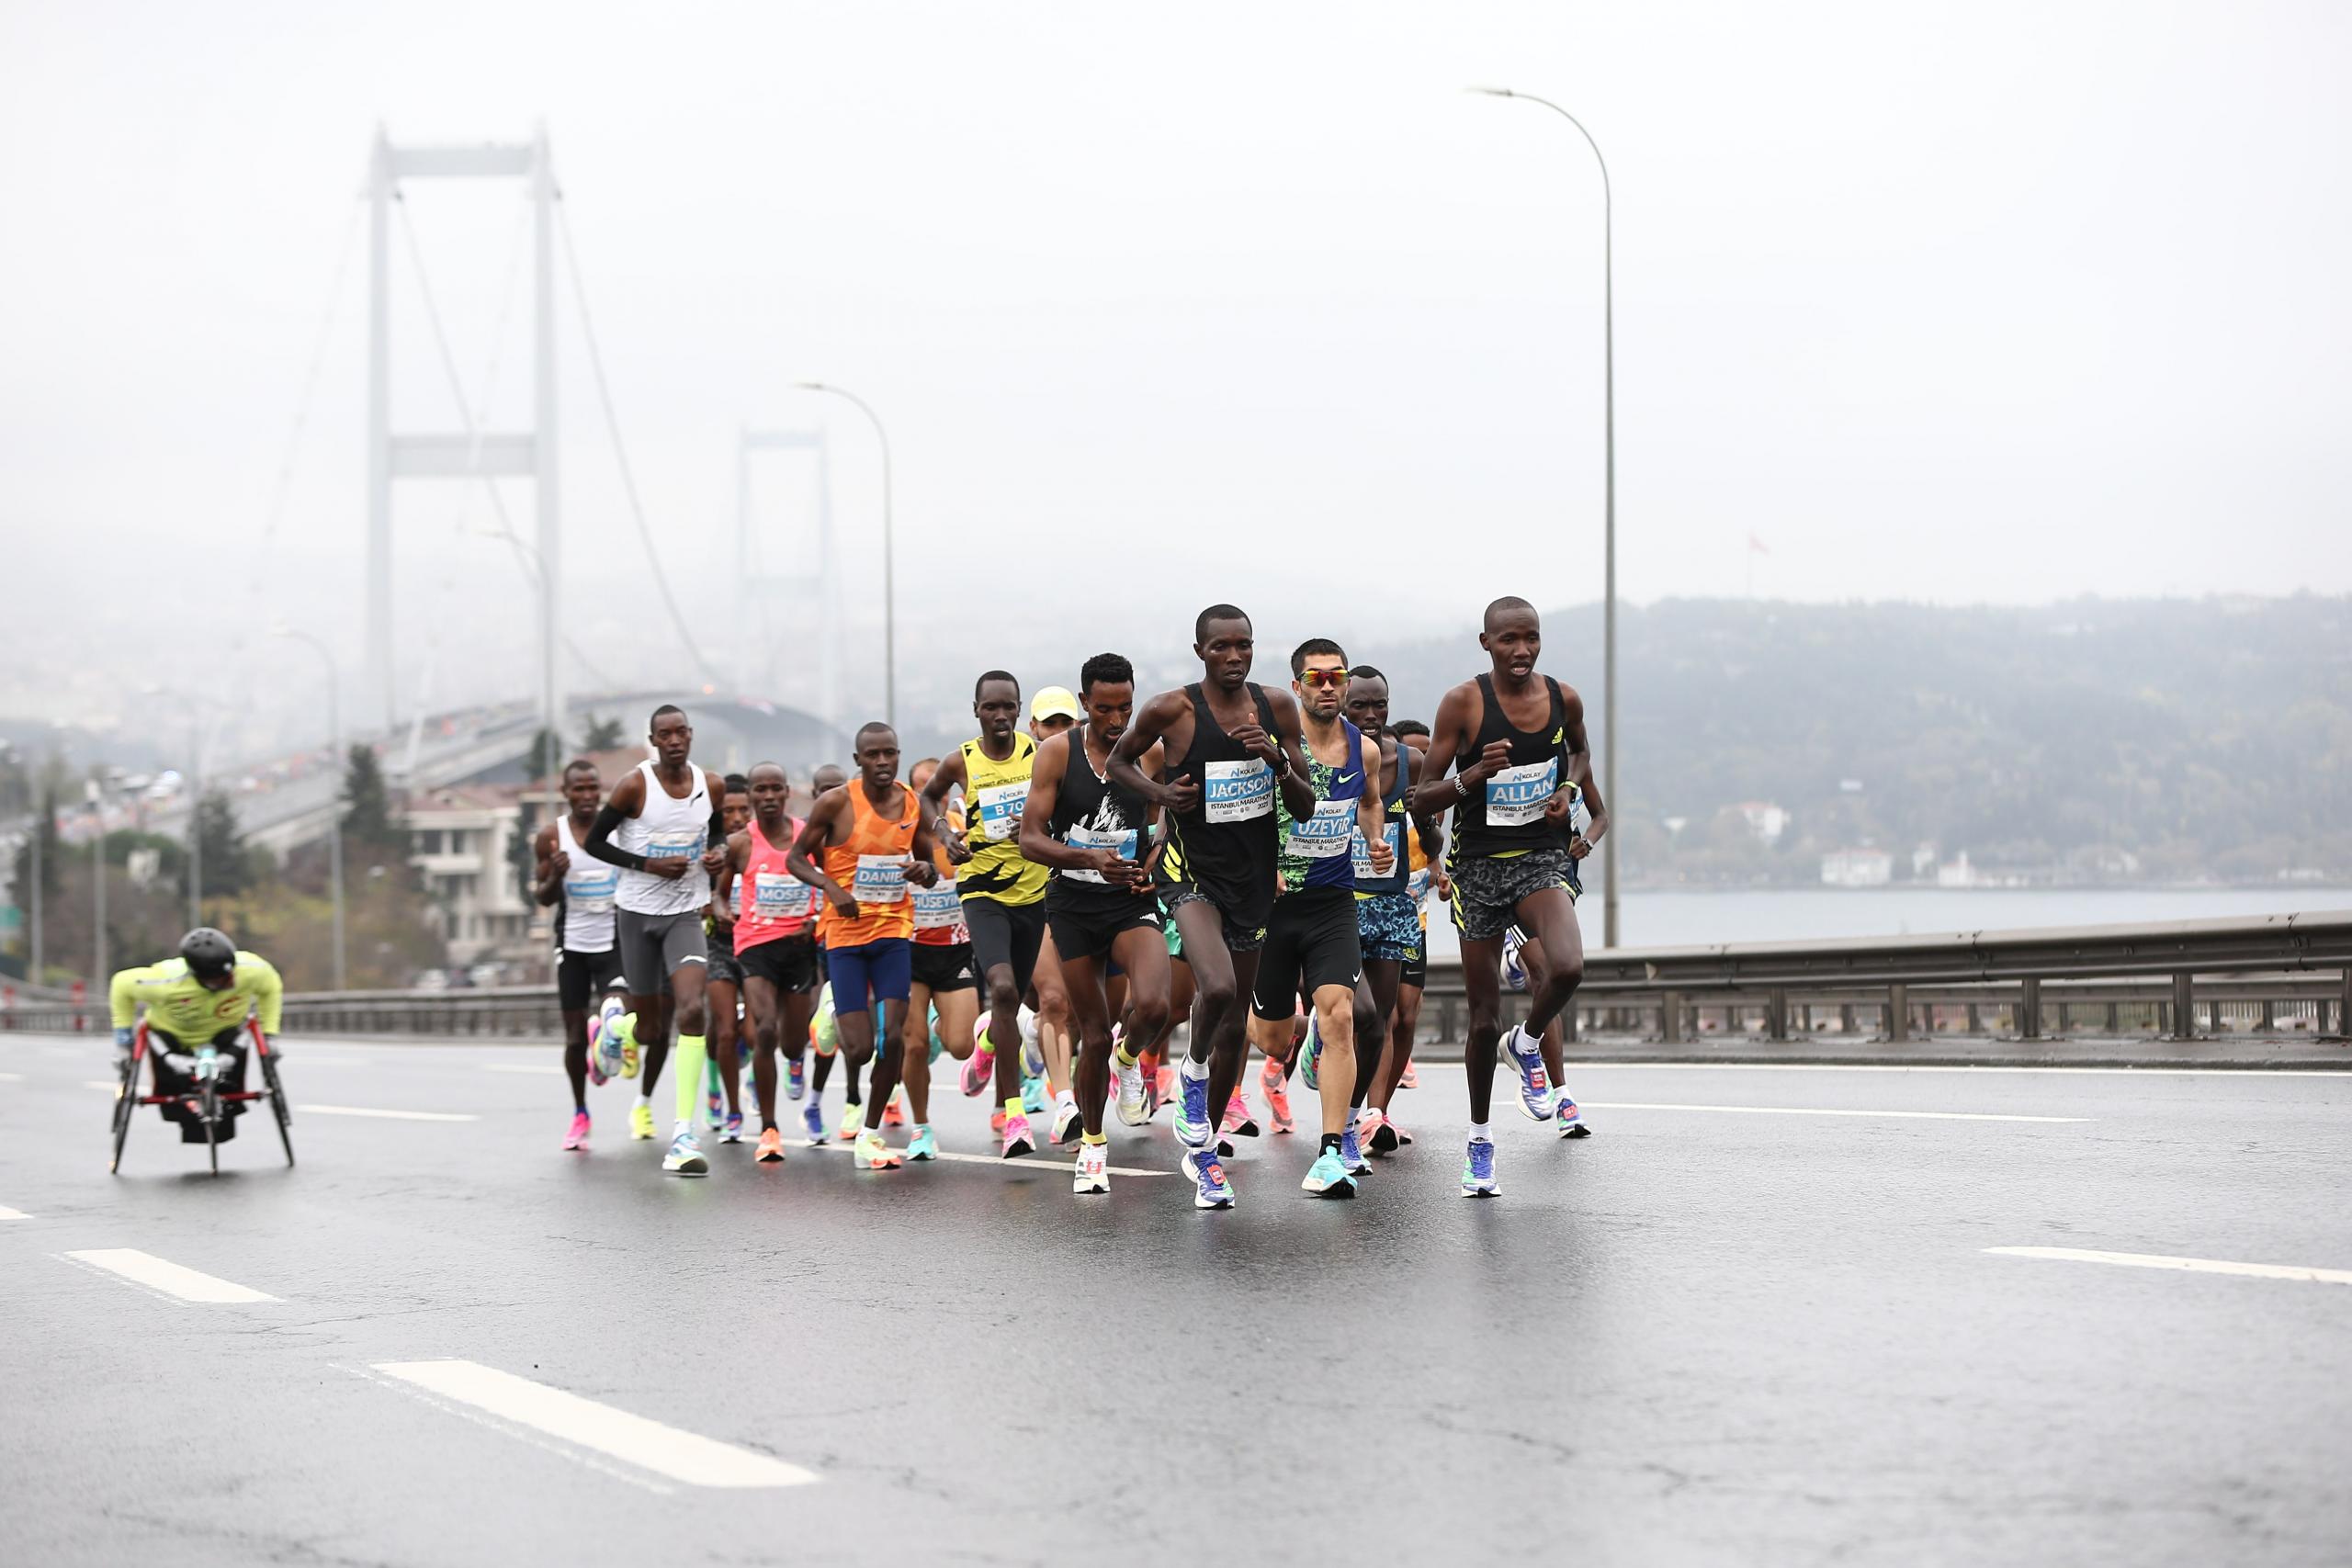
(2087, 741)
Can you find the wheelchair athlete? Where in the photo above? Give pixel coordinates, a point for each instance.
(198, 999)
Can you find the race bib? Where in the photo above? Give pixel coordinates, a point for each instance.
(1236, 792)
(677, 849)
(937, 907)
(1515, 796)
(780, 896)
(1360, 848)
(590, 892)
(881, 879)
(1120, 841)
(997, 810)
(1325, 834)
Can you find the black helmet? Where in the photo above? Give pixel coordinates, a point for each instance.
(209, 955)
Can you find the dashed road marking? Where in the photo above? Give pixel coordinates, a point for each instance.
(389, 1115)
(165, 1277)
(1812, 1111)
(648, 1444)
(1001, 1163)
(522, 1067)
(8, 1213)
(2187, 1265)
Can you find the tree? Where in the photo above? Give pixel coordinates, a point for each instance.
(45, 823)
(604, 734)
(228, 867)
(546, 754)
(368, 815)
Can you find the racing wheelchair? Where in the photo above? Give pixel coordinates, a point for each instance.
(203, 1097)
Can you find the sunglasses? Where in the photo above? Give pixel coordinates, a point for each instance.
(1333, 679)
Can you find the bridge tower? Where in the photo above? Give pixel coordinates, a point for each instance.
(807, 590)
(469, 452)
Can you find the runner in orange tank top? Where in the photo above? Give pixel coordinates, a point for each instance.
(874, 845)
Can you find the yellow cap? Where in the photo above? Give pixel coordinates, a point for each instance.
(1055, 700)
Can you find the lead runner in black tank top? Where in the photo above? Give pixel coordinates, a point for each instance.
(1229, 862)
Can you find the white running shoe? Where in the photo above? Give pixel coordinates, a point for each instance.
(1093, 1174)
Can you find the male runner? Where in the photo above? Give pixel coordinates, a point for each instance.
(663, 826)
(828, 777)
(1312, 944)
(723, 979)
(945, 983)
(776, 944)
(1094, 833)
(1231, 746)
(1388, 919)
(872, 842)
(1053, 711)
(1517, 742)
(1003, 891)
(580, 892)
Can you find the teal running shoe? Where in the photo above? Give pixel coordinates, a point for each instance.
(1329, 1178)
(1033, 1096)
(922, 1146)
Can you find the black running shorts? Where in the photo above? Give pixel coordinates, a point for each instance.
(787, 963)
(1006, 933)
(946, 967)
(1088, 933)
(1311, 943)
(582, 977)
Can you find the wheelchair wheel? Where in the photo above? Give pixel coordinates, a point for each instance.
(278, 1104)
(126, 1106)
(211, 1113)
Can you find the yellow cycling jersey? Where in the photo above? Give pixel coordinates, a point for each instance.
(177, 1001)
(995, 793)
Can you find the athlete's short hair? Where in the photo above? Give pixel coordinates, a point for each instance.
(737, 784)
(1109, 668)
(1505, 605)
(869, 727)
(1216, 613)
(664, 709)
(576, 764)
(1405, 727)
(784, 772)
(1314, 648)
(1366, 672)
(988, 675)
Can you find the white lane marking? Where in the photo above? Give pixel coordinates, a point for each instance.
(170, 1279)
(389, 1115)
(1576, 1065)
(633, 1439)
(108, 1085)
(521, 1067)
(12, 1077)
(996, 1160)
(2190, 1265)
(8, 1213)
(1812, 1111)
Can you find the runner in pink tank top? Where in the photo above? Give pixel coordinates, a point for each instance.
(775, 942)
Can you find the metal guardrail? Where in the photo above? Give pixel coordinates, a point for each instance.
(2257, 973)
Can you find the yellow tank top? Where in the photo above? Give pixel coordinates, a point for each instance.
(994, 795)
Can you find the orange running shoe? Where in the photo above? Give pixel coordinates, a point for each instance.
(1276, 1083)
(771, 1149)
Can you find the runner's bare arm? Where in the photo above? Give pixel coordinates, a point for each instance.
(1451, 748)
(949, 773)
(716, 856)
(1045, 790)
(922, 869)
(1370, 816)
(1168, 714)
(815, 835)
(626, 801)
(1289, 760)
(739, 855)
(1429, 826)
(1580, 769)
(551, 863)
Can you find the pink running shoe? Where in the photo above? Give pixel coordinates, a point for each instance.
(1017, 1141)
(578, 1137)
(1276, 1084)
(1238, 1123)
(1167, 1083)
(1410, 1079)
(980, 1070)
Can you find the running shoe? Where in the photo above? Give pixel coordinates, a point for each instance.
(1033, 1055)
(771, 1149)
(1093, 1173)
(1378, 1133)
(1310, 1056)
(732, 1133)
(601, 1068)
(1067, 1124)
(996, 1122)
(1017, 1138)
(1033, 1096)
(1165, 1077)
(979, 1069)
(1238, 1122)
(1134, 1101)
(895, 1114)
(1192, 1110)
(685, 1158)
(853, 1123)
(1408, 1078)
(1211, 1191)
(1568, 1120)
(1351, 1150)
(578, 1137)
(626, 1024)
(795, 1078)
(714, 1108)
(870, 1152)
(1478, 1169)
(813, 1119)
(1276, 1083)
(1535, 1083)
(1328, 1177)
(640, 1122)
(922, 1146)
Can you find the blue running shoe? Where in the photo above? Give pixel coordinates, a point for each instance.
(1192, 1111)
(1535, 1083)
(796, 1080)
(1033, 1096)
(1352, 1151)
(733, 1131)
(1329, 1178)
(1211, 1191)
(1478, 1170)
(813, 1118)
(1568, 1120)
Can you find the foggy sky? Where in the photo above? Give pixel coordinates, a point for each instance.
(1171, 305)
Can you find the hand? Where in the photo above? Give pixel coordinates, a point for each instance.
(1492, 761)
(843, 904)
(559, 862)
(958, 851)
(1254, 739)
(1383, 858)
(921, 872)
(1441, 884)
(1180, 794)
(714, 860)
(669, 868)
(1115, 868)
(1557, 808)
(122, 1047)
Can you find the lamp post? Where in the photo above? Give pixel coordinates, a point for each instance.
(890, 574)
(550, 753)
(1608, 546)
(96, 797)
(334, 750)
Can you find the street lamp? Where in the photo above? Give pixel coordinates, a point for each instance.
(889, 575)
(335, 751)
(1609, 547)
(96, 797)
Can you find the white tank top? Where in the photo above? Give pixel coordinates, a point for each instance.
(588, 887)
(666, 826)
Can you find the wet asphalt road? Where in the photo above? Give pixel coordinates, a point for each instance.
(1703, 1336)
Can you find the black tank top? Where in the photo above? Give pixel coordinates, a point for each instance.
(1091, 813)
(1396, 825)
(1226, 845)
(1505, 815)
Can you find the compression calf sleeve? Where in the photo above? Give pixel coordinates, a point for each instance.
(691, 1057)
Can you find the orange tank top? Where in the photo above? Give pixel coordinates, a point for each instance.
(871, 866)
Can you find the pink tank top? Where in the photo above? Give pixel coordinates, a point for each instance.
(771, 902)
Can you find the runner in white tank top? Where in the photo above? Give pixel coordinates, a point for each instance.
(580, 889)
